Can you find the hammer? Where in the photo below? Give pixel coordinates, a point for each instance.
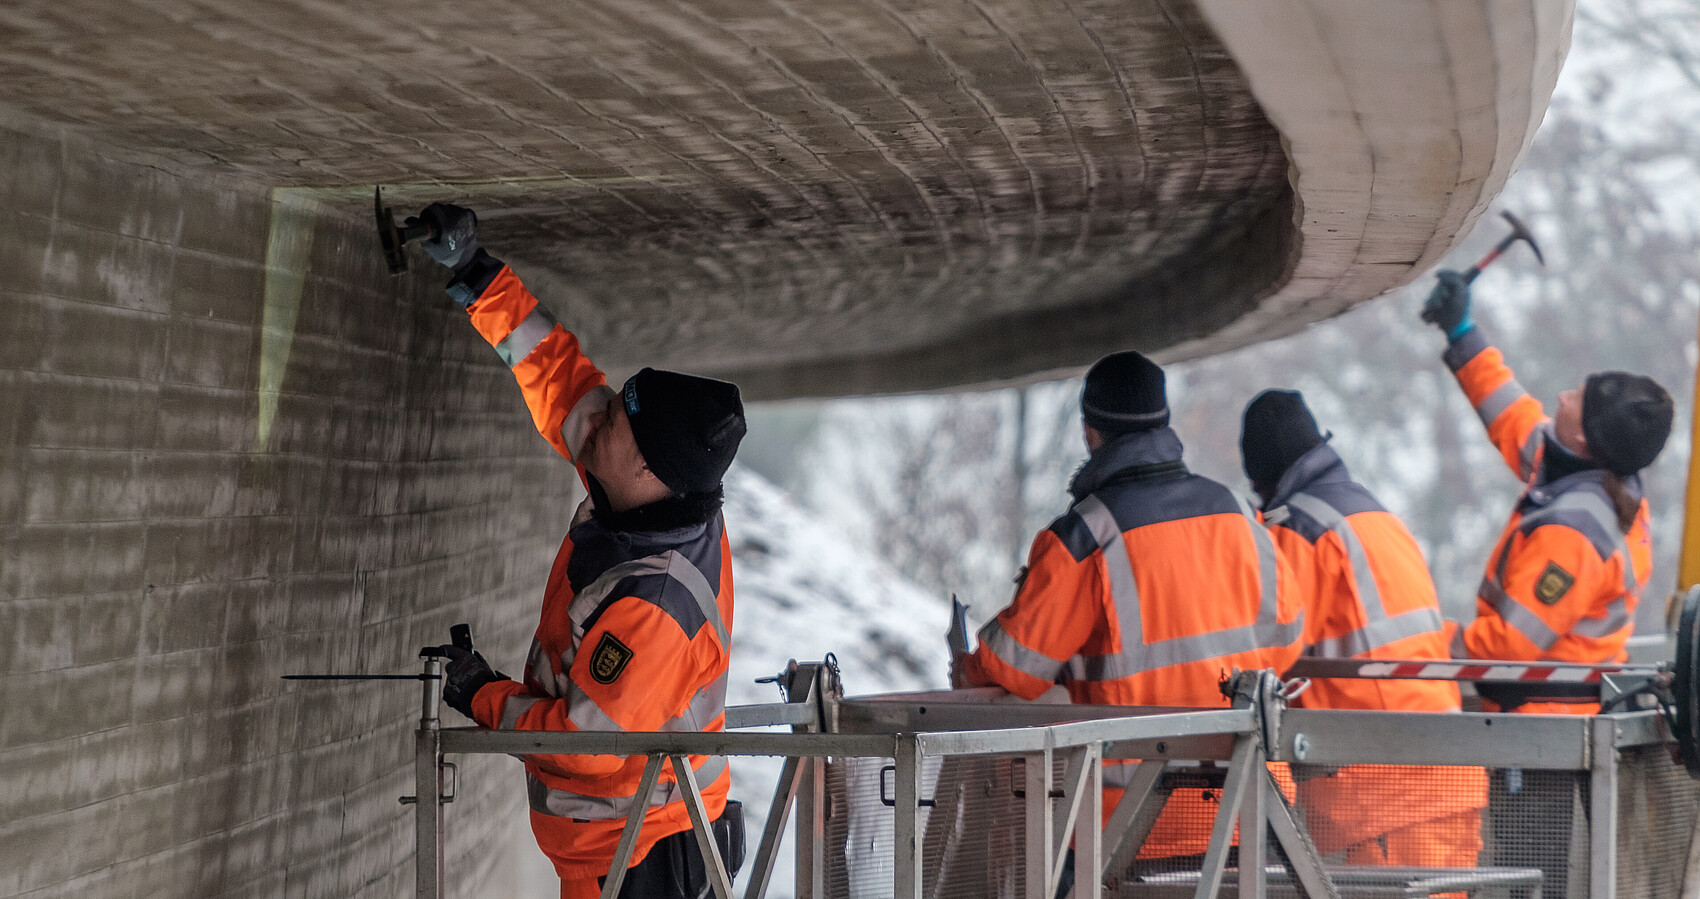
(1519, 231)
(395, 238)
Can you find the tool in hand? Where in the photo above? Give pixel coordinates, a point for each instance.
(957, 635)
(1519, 231)
(362, 676)
(393, 238)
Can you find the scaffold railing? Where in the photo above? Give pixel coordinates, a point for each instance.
(959, 794)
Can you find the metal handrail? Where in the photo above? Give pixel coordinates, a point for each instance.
(1257, 730)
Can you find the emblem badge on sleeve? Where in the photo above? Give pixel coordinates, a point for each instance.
(609, 659)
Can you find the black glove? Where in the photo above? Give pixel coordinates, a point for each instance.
(1448, 305)
(463, 676)
(456, 229)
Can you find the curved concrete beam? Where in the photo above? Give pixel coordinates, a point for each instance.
(861, 197)
(1401, 121)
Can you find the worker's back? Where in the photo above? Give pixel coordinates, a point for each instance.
(1365, 584)
(1150, 590)
(1189, 589)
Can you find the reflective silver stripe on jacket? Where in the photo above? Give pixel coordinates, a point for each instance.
(563, 804)
(707, 705)
(1138, 656)
(513, 709)
(670, 563)
(1616, 619)
(526, 336)
(1017, 655)
(1379, 628)
(1517, 616)
(1495, 403)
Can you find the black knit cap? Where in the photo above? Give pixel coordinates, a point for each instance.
(687, 428)
(1124, 393)
(1278, 428)
(1625, 419)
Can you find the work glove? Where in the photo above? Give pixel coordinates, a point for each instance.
(456, 230)
(463, 676)
(1448, 305)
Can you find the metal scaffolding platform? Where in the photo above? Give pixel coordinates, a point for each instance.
(958, 794)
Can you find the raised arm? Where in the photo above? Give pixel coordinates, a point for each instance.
(1514, 420)
(563, 388)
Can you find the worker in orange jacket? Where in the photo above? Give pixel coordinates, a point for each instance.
(635, 632)
(1153, 586)
(1567, 572)
(1367, 595)
(1565, 577)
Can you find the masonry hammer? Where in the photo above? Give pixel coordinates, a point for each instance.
(1519, 231)
(395, 238)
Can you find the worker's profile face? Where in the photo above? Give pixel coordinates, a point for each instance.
(1567, 424)
(610, 451)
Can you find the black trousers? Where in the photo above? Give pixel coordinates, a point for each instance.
(674, 868)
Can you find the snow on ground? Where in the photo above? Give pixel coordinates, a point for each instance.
(802, 591)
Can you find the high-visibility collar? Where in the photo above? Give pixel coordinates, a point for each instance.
(1159, 447)
(1543, 493)
(1319, 464)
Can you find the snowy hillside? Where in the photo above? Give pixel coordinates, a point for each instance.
(802, 591)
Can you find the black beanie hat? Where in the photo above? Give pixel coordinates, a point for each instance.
(687, 428)
(1124, 393)
(1625, 419)
(1278, 428)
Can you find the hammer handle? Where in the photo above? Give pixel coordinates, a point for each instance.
(1487, 260)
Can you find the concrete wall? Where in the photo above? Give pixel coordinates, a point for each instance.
(232, 447)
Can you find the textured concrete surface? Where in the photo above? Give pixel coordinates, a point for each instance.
(179, 527)
(860, 196)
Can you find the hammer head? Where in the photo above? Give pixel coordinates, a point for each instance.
(1520, 231)
(394, 238)
(389, 236)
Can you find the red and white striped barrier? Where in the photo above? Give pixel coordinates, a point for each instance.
(1477, 670)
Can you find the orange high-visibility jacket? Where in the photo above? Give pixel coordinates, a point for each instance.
(1367, 591)
(1153, 587)
(635, 633)
(1564, 580)
(1368, 595)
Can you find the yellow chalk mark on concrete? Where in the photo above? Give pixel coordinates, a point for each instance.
(289, 248)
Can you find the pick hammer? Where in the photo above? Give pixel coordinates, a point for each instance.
(394, 238)
(1519, 231)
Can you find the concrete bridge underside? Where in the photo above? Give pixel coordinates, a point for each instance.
(232, 446)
